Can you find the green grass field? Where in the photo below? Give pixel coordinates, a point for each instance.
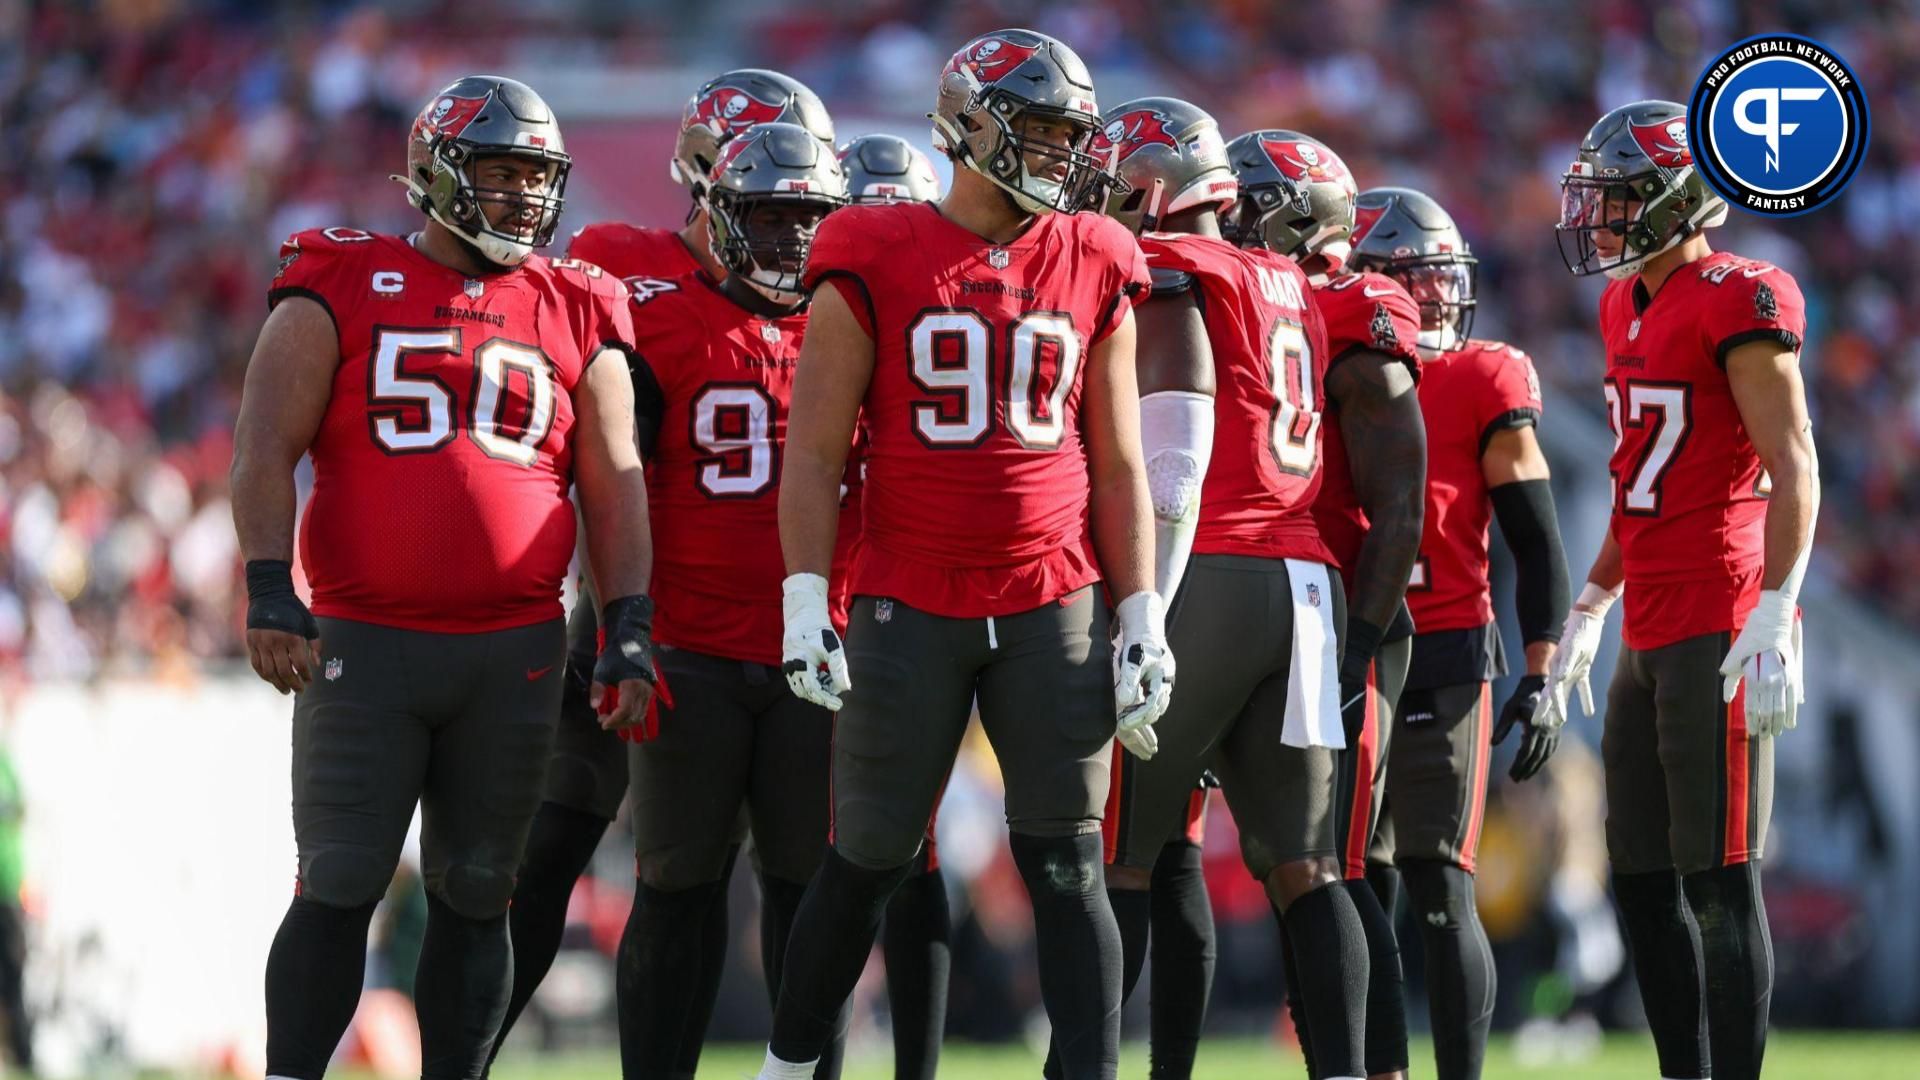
(1790, 1056)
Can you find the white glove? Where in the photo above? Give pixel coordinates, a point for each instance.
(815, 661)
(1573, 658)
(1142, 672)
(1767, 656)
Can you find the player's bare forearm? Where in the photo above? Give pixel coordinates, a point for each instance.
(610, 480)
(1385, 438)
(1121, 509)
(829, 383)
(1539, 656)
(809, 511)
(1609, 571)
(1765, 378)
(289, 382)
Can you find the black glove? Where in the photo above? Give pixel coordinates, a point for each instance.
(626, 646)
(271, 602)
(1538, 744)
(1361, 643)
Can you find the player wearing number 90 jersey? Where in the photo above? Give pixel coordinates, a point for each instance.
(976, 481)
(986, 344)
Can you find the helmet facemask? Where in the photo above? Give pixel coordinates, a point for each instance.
(449, 194)
(1648, 213)
(1444, 286)
(1279, 216)
(771, 260)
(999, 149)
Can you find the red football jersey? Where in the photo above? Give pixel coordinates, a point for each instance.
(1269, 357)
(441, 467)
(716, 381)
(976, 485)
(1689, 500)
(653, 261)
(634, 251)
(1467, 396)
(1362, 311)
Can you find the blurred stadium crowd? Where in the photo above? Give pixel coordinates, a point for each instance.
(154, 152)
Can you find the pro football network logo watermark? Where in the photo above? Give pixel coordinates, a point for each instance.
(1780, 124)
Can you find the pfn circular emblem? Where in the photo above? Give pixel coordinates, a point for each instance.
(1779, 124)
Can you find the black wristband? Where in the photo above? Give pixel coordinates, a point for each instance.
(628, 611)
(1361, 642)
(269, 579)
(1532, 531)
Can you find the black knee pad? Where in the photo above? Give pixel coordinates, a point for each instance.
(473, 891)
(1441, 893)
(1060, 867)
(345, 877)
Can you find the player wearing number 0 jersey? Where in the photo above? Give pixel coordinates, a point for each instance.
(1297, 198)
(1232, 357)
(1715, 490)
(450, 387)
(587, 777)
(987, 343)
(1481, 401)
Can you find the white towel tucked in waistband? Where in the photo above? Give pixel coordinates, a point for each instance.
(1313, 676)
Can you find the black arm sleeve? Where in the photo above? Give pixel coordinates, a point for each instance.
(1532, 531)
(649, 404)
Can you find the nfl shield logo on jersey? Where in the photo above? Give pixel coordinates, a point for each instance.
(998, 258)
(335, 668)
(474, 288)
(770, 332)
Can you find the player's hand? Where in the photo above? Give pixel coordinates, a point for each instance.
(1767, 656)
(1538, 742)
(283, 640)
(623, 678)
(815, 660)
(1573, 658)
(1142, 672)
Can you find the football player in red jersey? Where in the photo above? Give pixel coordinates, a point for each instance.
(1714, 496)
(1296, 197)
(713, 370)
(915, 932)
(587, 777)
(450, 386)
(1481, 400)
(990, 337)
(1232, 361)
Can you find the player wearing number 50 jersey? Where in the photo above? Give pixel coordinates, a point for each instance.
(1297, 198)
(450, 386)
(1232, 361)
(1481, 401)
(1714, 496)
(986, 343)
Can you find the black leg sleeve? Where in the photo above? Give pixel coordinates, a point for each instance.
(1079, 945)
(1665, 942)
(1460, 975)
(559, 848)
(314, 971)
(460, 991)
(661, 968)
(1738, 951)
(1330, 956)
(915, 942)
(1183, 958)
(832, 934)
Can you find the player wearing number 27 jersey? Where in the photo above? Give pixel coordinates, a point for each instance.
(1715, 487)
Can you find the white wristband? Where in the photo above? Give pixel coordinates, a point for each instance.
(1595, 600)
